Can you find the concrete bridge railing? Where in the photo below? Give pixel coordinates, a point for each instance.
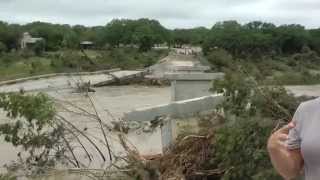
(175, 110)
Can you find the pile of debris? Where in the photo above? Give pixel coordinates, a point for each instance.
(84, 87)
(188, 159)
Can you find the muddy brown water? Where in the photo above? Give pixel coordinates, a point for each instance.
(312, 90)
(116, 100)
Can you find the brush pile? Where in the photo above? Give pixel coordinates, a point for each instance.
(188, 159)
(234, 148)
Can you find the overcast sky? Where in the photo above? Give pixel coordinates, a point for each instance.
(171, 13)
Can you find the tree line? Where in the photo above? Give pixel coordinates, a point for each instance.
(239, 39)
(260, 38)
(144, 33)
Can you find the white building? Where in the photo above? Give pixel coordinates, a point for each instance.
(86, 44)
(28, 40)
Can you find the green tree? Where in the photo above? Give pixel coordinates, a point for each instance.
(70, 40)
(3, 47)
(53, 34)
(195, 36)
(32, 127)
(220, 59)
(141, 32)
(291, 38)
(315, 39)
(114, 32)
(145, 43)
(39, 47)
(10, 35)
(257, 39)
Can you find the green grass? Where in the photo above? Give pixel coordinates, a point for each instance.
(21, 69)
(14, 66)
(295, 78)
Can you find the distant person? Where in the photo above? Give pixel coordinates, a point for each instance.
(295, 148)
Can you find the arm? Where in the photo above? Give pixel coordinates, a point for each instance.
(288, 163)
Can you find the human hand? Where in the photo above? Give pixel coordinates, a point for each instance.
(278, 139)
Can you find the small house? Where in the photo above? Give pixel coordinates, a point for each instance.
(28, 41)
(86, 45)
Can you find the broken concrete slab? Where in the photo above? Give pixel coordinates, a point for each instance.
(66, 82)
(194, 76)
(176, 63)
(45, 76)
(191, 85)
(172, 111)
(121, 77)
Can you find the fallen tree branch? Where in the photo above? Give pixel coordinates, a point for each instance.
(84, 135)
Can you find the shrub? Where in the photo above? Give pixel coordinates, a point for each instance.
(240, 149)
(3, 48)
(39, 47)
(220, 58)
(7, 177)
(251, 113)
(297, 78)
(9, 58)
(32, 127)
(35, 67)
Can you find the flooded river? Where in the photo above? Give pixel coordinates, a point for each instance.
(111, 103)
(312, 90)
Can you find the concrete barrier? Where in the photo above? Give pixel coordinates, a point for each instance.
(178, 109)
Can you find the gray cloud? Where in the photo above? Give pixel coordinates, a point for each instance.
(298, 5)
(171, 13)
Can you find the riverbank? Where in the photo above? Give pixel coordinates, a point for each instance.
(17, 65)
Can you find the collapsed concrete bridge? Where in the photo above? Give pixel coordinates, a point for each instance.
(190, 94)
